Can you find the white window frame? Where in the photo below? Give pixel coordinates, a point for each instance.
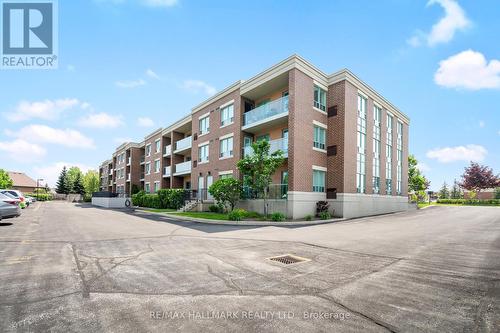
(319, 188)
(147, 187)
(148, 149)
(203, 158)
(317, 144)
(156, 186)
(147, 168)
(230, 152)
(319, 104)
(361, 145)
(228, 111)
(157, 164)
(204, 124)
(158, 146)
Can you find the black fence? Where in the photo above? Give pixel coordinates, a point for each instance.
(108, 194)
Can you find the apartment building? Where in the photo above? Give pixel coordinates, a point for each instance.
(343, 141)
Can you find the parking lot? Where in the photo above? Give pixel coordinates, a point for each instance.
(70, 267)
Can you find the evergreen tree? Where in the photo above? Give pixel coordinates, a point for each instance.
(455, 192)
(62, 186)
(78, 187)
(444, 193)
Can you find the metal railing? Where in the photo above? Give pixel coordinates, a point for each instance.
(167, 171)
(274, 191)
(267, 110)
(275, 145)
(183, 144)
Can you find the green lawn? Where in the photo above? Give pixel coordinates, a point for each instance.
(203, 215)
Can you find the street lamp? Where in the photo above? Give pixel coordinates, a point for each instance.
(37, 189)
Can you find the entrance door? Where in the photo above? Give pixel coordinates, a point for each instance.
(210, 180)
(201, 187)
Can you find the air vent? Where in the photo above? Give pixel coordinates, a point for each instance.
(331, 193)
(332, 111)
(331, 151)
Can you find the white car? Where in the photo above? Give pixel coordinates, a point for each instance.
(17, 194)
(9, 207)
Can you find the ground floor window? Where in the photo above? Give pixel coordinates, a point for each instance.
(147, 188)
(157, 186)
(319, 181)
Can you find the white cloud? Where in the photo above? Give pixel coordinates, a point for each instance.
(423, 167)
(45, 134)
(444, 30)
(130, 83)
(145, 122)
(50, 173)
(47, 109)
(197, 86)
(21, 150)
(469, 70)
(159, 3)
(152, 74)
(459, 153)
(100, 120)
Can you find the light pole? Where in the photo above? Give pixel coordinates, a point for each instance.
(37, 189)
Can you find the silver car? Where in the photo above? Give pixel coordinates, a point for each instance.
(9, 207)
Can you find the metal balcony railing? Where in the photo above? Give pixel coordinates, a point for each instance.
(267, 110)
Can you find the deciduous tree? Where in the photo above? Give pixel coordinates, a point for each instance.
(478, 177)
(5, 180)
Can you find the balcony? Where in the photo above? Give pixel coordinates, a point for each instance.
(275, 145)
(167, 151)
(110, 183)
(111, 172)
(129, 160)
(182, 168)
(142, 159)
(266, 115)
(142, 177)
(167, 171)
(183, 145)
(128, 176)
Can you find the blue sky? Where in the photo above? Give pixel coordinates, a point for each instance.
(123, 63)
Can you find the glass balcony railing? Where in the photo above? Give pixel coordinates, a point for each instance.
(167, 171)
(142, 159)
(183, 144)
(275, 145)
(183, 167)
(267, 110)
(167, 151)
(129, 160)
(128, 177)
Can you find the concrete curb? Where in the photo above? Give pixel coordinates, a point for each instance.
(245, 223)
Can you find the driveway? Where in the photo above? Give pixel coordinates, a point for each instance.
(69, 267)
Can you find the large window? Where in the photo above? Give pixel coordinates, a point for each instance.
(319, 98)
(226, 147)
(204, 125)
(148, 149)
(203, 153)
(388, 156)
(361, 146)
(157, 146)
(148, 168)
(156, 186)
(319, 181)
(399, 156)
(377, 114)
(147, 188)
(319, 137)
(225, 175)
(227, 115)
(157, 166)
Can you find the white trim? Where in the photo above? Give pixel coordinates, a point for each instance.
(320, 111)
(377, 104)
(226, 104)
(319, 168)
(320, 85)
(391, 114)
(203, 162)
(320, 150)
(227, 172)
(204, 116)
(203, 143)
(363, 94)
(235, 86)
(227, 124)
(317, 123)
(226, 157)
(226, 136)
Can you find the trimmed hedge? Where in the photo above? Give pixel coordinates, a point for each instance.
(165, 198)
(40, 196)
(472, 202)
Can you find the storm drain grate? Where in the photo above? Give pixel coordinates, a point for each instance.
(288, 259)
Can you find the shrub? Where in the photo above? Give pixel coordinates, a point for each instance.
(41, 196)
(226, 191)
(215, 209)
(472, 202)
(237, 215)
(308, 218)
(278, 217)
(165, 198)
(321, 206)
(325, 215)
(138, 199)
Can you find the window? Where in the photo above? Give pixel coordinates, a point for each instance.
(157, 166)
(399, 159)
(361, 146)
(319, 181)
(226, 147)
(148, 168)
(319, 137)
(147, 188)
(227, 115)
(377, 113)
(148, 149)
(319, 98)
(157, 146)
(226, 175)
(203, 154)
(204, 125)
(157, 186)
(388, 156)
